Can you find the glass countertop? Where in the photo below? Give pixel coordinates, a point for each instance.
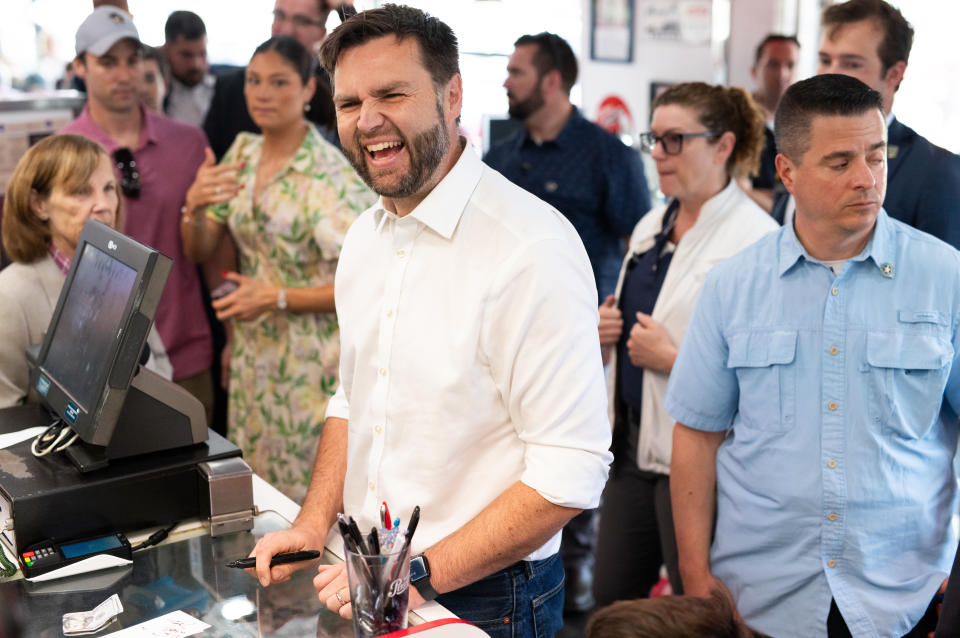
(187, 574)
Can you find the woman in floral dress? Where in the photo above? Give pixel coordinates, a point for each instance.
(287, 198)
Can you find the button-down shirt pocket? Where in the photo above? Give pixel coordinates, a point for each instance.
(766, 370)
(906, 376)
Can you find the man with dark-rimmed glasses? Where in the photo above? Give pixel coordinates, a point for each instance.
(155, 160)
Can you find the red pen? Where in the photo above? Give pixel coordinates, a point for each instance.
(385, 515)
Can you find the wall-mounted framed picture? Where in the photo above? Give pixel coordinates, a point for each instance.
(656, 88)
(611, 30)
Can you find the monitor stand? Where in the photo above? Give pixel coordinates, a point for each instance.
(157, 415)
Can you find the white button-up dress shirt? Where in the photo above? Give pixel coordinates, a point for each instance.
(469, 357)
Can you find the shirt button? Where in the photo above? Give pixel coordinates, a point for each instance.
(832, 516)
(835, 292)
(831, 464)
(379, 429)
(372, 486)
(831, 563)
(402, 253)
(832, 405)
(389, 313)
(383, 372)
(834, 349)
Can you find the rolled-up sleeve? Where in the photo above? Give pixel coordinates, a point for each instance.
(338, 407)
(540, 337)
(703, 393)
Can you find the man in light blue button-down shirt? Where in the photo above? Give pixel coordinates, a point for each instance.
(816, 391)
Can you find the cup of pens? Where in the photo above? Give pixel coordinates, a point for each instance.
(378, 570)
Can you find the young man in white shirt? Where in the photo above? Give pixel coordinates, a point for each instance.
(471, 378)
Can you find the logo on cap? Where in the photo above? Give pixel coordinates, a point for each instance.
(117, 18)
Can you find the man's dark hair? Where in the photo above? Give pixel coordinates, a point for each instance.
(897, 32)
(773, 37)
(184, 23)
(438, 44)
(669, 616)
(829, 94)
(293, 52)
(153, 53)
(553, 53)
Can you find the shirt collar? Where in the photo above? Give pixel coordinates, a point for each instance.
(442, 208)
(147, 133)
(61, 260)
(566, 136)
(880, 248)
(719, 204)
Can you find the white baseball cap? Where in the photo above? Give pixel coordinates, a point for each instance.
(103, 28)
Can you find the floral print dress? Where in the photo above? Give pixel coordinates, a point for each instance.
(283, 367)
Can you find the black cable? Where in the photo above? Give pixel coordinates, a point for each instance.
(155, 538)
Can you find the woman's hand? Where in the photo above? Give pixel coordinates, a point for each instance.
(611, 322)
(649, 345)
(214, 183)
(250, 300)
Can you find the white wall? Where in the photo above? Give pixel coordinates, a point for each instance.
(751, 21)
(653, 61)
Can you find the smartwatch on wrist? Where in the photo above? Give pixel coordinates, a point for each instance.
(281, 299)
(420, 577)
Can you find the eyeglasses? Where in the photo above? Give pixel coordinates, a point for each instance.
(299, 21)
(672, 142)
(130, 176)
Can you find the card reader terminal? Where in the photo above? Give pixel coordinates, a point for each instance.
(75, 557)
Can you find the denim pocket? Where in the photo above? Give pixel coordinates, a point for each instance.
(487, 603)
(906, 376)
(764, 362)
(547, 611)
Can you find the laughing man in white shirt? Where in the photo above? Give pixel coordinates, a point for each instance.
(471, 377)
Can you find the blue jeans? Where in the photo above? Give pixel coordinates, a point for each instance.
(524, 600)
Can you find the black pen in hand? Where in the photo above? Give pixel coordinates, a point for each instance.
(278, 559)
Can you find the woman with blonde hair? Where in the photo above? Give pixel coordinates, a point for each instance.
(58, 184)
(701, 138)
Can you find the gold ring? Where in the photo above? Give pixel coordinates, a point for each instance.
(340, 600)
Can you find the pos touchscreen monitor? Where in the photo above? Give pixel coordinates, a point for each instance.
(91, 352)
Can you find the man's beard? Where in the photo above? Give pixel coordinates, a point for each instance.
(426, 152)
(523, 109)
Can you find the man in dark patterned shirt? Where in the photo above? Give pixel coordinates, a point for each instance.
(591, 177)
(580, 169)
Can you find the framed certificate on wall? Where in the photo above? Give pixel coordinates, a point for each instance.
(611, 30)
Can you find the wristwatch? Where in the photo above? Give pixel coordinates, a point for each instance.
(420, 577)
(281, 299)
